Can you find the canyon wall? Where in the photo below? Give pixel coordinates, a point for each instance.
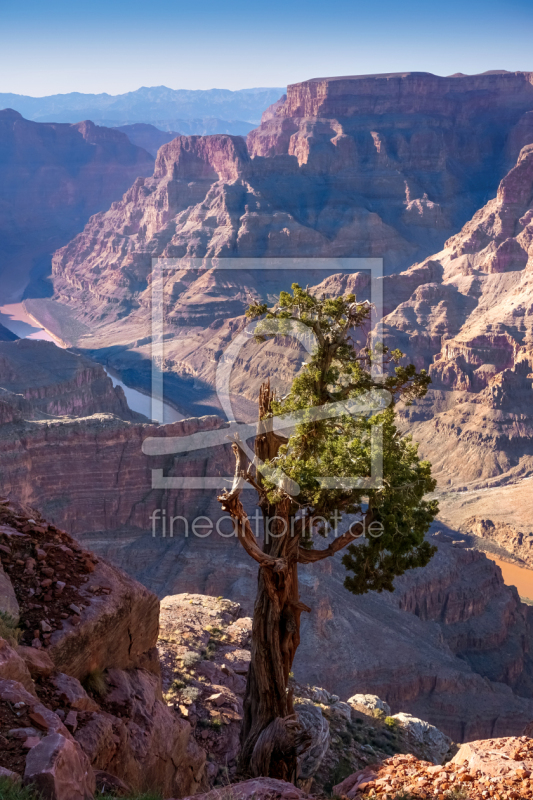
(371, 166)
(41, 381)
(470, 325)
(450, 633)
(53, 177)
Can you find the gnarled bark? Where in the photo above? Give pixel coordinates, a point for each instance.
(271, 737)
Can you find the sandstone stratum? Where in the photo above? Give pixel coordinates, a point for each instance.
(433, 174)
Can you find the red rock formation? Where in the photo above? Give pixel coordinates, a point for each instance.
(498, 768)
(99, 625)
(408, 93)
(470, 324)
(367, 174)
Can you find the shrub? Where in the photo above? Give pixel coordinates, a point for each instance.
(191, 693)
(95, 683)
(189, 658)
(15, 791)
(210, 651)
(391, 723)
(8, 628)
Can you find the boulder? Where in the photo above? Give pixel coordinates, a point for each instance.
(496, 757)
(13, 692)
(59, 770)
(13, 667)
(8, 599)
(350, 785)
(255, 789)
(115, 629)
(148, 745)
(425, 739)
(38, 662)
(7, 773)
(369, 702)
(72, 693)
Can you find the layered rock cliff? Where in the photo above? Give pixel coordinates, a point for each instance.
(41, 381)
(468, 322)
(53, 177)
(427, 649)
(372, 166)
(321, 190)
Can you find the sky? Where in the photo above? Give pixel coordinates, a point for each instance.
(116, 46)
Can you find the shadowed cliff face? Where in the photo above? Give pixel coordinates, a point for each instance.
(41, 381)
(53, 177)
(6, 335)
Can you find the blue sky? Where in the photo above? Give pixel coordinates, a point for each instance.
(119, 45)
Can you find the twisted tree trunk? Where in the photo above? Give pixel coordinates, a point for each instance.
(270, 734)
(271, 737)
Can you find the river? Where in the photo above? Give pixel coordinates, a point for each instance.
(15, 318)
(521, 577)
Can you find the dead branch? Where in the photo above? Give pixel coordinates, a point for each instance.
(311, 556)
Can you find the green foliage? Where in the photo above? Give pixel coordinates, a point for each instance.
(142, 796)
(342, 379)
(9, 629)
(210, 651)
(95, 683)
(191, 693)
(190, 658)
(15, 791)
(391, 723)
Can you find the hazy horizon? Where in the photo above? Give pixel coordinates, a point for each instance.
(61, 47)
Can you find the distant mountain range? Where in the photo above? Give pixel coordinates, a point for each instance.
(184, 110)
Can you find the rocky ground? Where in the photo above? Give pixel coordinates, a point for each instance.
(204, 648)
(81, 706)
(496, 768)
(89, 705)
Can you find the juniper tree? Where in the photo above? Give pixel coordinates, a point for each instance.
(319, 430)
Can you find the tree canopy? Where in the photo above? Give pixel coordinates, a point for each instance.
(396, 515)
